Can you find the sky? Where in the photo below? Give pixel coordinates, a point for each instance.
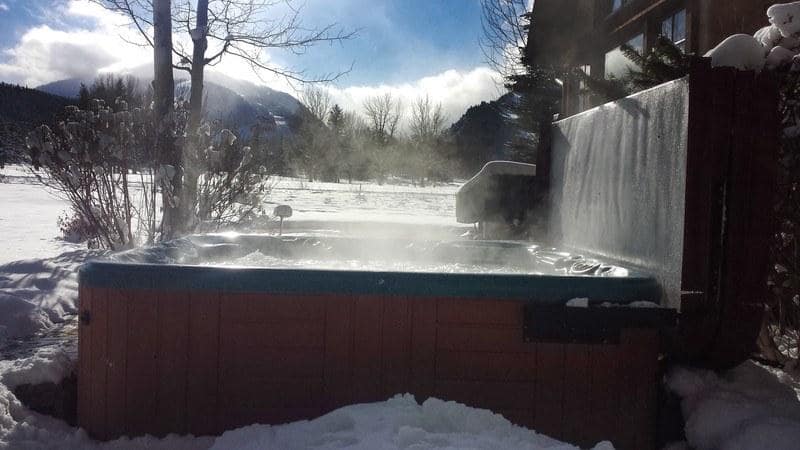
(411, 48)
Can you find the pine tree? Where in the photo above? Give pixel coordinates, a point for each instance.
(539, 100)
(664, 62)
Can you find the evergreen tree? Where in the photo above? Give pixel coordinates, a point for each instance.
(664, 62)
(539, 98)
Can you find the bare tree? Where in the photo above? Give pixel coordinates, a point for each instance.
(318, 101)
(427, 120)
(383, 115)
(164, 103)
(504, 34)
(240, 28)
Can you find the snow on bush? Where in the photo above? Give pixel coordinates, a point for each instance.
(786, 18)
(775, 46)
(741, 51)
(748, 408)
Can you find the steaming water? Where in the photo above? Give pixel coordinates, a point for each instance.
(258, 259)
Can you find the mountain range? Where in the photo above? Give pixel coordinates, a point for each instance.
(235, 102)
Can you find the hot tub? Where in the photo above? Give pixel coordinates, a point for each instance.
(208, 333)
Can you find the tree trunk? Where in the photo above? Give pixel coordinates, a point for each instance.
(192, 166)
(164, 99)
(200, 44)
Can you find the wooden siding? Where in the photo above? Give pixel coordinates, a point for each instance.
(203, 362)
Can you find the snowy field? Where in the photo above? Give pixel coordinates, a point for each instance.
(750, 407)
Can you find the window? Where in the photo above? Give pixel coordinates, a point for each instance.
(674, 29)
(617, 4)
(617, 64)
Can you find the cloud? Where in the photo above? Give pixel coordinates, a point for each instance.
(456, 91)
(100, 42)
(4, 7)
(44, 54)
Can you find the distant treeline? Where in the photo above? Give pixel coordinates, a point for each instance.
(21, 110)
(323, 142)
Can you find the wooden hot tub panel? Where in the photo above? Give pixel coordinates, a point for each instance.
(203, 362)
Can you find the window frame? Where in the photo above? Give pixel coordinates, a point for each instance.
(672, 28)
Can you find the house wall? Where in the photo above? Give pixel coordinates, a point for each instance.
(566, 34)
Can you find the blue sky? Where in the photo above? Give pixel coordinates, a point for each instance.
(397, 40)
(413, 47)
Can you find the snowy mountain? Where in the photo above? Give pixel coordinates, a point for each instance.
(236, 103)
(483, 132)
(64, 88)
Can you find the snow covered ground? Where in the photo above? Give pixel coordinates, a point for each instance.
(748, 408)
(38, 293)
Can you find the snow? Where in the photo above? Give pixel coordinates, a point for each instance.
(28, 218)
(48, 365)
(493, 168)
(578, 303)
(779, 56)
(399, 423)
(773, 46)
(741, 51)
(785, 17)
(747, 408)
(396, 201)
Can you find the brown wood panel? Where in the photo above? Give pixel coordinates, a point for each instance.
(521, 417)
(482, 339)
(494, 395)
(423, 348)
(577, 392)
(464, 311)
(116, 403)
(549, 395)
(244, 391)
(712, 94)
(639, 351)
(244, 337)
(173, 364)
(203, 364)
(99, 363)
(85, 377)
(142, 364)
(396, 348)
(497, 366)
(607, 420)
(271, 308)
(367, 346)
(701, 163)
(748, 231)
(260, 415)
(272, 363)
(338, 351)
